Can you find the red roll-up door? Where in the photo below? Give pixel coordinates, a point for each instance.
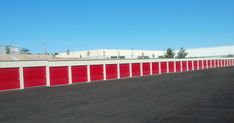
(58, 75)
(111, 71)
(213, 64)
(146, 68)
(155, 67)
(223, 63)
(184, 65)
(200, 64)
(171, 67)
(226, 63)
(136, 69)
(195, 65)
(190, 65)
(96, 72)
(163, 67)
(220, 63)
(178, 66)
(205, 64)
(209, 63)
(34, 76)
(217, 63)
(124, 70)
(79, 74)
(9, 78)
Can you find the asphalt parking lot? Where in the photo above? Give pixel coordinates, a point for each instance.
(205, 96)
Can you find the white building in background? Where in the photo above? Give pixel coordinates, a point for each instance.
(12, 49)
(211, 51)
(111, 54)
(128, 54)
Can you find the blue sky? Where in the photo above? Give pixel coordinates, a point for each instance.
(59, 25)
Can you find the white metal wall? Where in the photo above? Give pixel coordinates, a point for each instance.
(10, 64)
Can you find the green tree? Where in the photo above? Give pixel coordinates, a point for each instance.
(8, 50)
(55, 54)
(24, 51)
(182, 53)
(169, 54)
(153, 55)
(230, 55)
(160, 57)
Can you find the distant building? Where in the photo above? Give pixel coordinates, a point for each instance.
(12, 49)
(211, 51)
(144, 54)
(111, 54)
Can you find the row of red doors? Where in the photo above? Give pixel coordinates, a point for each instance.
(36, 76)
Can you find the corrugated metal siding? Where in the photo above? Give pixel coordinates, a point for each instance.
(12, 64)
